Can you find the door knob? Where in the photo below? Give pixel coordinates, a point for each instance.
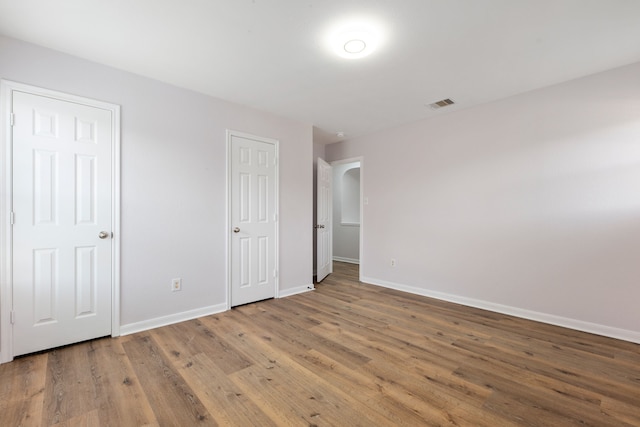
(236, 230)
(103, 234)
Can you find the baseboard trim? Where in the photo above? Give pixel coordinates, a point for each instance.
(349, 260)
(157, 322)
(297, 290)
(579, 325)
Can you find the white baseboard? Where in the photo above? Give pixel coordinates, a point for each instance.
(297, 290)
(349, 260)
(145, 325)
(579, 325)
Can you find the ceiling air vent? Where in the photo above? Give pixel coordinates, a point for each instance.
(440, 104)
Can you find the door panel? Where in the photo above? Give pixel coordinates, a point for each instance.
(86, 189)
(86, 281)
(62, 194)
(45, 283)
(253, 219)
(324, 249)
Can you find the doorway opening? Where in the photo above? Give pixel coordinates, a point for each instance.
(342, 211)
(346, 212)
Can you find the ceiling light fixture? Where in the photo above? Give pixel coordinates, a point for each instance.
(355, 46)
(354, 39)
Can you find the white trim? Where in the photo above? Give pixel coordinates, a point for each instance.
(227, 223)
(231, 133)
(115, 222)
(6, 296)
(7, 88)
(145, 325)
(362, 206)
(297, 290)
(349, 260)
(565, 322)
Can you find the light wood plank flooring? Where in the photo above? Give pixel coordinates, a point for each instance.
(347, 354)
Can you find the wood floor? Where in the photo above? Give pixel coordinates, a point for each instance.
(347, 354)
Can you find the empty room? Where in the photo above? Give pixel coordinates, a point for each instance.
(319, 213)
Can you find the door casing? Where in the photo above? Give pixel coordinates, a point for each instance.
(229, 219)
(6, 243)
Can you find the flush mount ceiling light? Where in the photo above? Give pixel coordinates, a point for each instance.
(355, 46)
(354, 39)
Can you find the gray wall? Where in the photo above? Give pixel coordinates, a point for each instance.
(174, 180)
(529, 205)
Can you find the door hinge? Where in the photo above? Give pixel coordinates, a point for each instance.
(12, 316)
(12, 119)
(275, 217)
(12, 218)
(275, 273)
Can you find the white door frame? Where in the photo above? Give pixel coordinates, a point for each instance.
(228, 222)
(362, 204)
(6, 238)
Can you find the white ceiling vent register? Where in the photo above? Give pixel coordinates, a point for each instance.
(442, 103)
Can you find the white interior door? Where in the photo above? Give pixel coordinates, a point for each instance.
(253, 219)
(323, 228)
(62, 202)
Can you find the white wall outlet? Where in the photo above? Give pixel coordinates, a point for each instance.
(393, 262)
(176, 284)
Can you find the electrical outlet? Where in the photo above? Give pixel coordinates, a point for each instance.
(176, 284)
(393, 262)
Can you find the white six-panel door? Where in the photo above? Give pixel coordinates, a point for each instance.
(253, 219)
(324, 241)
(62, 202)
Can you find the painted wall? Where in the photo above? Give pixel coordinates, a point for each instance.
(346, 237)
(529, 205)
(174, 181)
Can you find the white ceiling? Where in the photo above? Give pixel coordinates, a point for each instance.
(269, 54)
